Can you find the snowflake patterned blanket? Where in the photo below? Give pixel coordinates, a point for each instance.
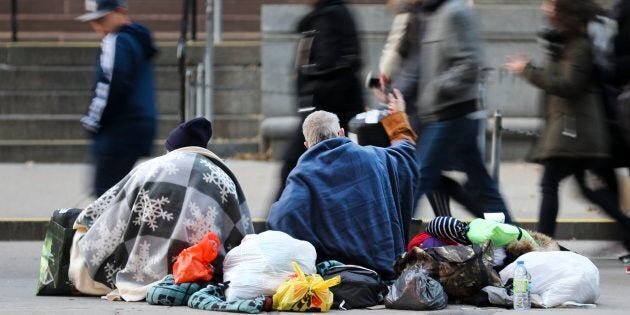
(128, 239)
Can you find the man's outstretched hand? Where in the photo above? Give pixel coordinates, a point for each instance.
(396, 102)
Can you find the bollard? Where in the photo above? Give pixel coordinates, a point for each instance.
(209, 58)
(190, 94)
(200, 90)
(495, 161)
(218, 21)
(483, 123)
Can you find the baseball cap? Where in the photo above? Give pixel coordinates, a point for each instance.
(97, 9)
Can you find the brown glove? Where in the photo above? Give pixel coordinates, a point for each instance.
(397, 127)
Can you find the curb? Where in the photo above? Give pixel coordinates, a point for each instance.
(34, 229)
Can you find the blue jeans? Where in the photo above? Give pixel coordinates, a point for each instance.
(452, 145)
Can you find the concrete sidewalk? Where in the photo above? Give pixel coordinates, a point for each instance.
(32, 190)
(19, 265)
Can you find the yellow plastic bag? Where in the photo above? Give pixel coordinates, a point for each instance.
(303, 293)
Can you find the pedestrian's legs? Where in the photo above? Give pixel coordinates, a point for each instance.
(440, 198)
(433, 152)
(479, 186)
(439, 201)
(554, 171)
(607, 198)
(295, 149)
(109, 170)
(460, 195)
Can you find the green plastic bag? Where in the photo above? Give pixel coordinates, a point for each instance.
(55, 260)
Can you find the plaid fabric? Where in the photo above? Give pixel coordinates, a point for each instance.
(170, 294)
(137, 228)
(449, 228)
(212, 298)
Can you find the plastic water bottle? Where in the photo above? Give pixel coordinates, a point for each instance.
(522, 287)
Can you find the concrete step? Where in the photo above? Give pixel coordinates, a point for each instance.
(233, 32)
(52, 36)
(76, 102)
(157, 23)
(75, 151)
(66, 102)
(26, 78)
(67, 127)
(63, 54)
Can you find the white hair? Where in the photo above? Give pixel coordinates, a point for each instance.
(320, 126)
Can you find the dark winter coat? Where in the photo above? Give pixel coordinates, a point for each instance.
(330, 81)
(572, 101)
(621, 13)
(122, 114)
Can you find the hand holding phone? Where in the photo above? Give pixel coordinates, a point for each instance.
(373, 83)
(396, 102)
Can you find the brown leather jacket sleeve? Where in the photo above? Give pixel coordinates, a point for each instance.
(397, 127)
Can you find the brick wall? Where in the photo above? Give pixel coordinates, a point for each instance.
(53, 20)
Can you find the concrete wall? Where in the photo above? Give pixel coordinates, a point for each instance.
(507, 27)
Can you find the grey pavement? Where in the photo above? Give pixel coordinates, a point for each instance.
(19, 264)
(34, 190)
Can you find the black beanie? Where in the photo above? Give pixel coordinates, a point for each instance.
(193, 133)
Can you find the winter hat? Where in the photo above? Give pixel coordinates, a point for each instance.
(193, 133)
(449, 228)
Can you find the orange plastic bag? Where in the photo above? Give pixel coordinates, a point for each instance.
(303, 293)
(193, 263)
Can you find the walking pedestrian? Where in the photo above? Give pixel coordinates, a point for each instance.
(575, 139)
(328, 67)
(121, 118)
(447, 92)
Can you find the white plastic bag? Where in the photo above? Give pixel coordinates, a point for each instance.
(263, 262)
(560, 278)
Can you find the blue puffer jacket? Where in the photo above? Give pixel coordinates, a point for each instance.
(122, 115)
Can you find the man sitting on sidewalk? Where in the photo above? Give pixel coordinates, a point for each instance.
(352, 203)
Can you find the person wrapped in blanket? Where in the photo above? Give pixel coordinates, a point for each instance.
(352, 203)
(127, 240)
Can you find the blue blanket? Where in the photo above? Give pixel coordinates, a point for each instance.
(352, 203)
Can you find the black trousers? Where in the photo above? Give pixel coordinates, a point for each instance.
(605, 194)
(110, 169)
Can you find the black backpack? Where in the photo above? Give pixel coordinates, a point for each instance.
(360, 287)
